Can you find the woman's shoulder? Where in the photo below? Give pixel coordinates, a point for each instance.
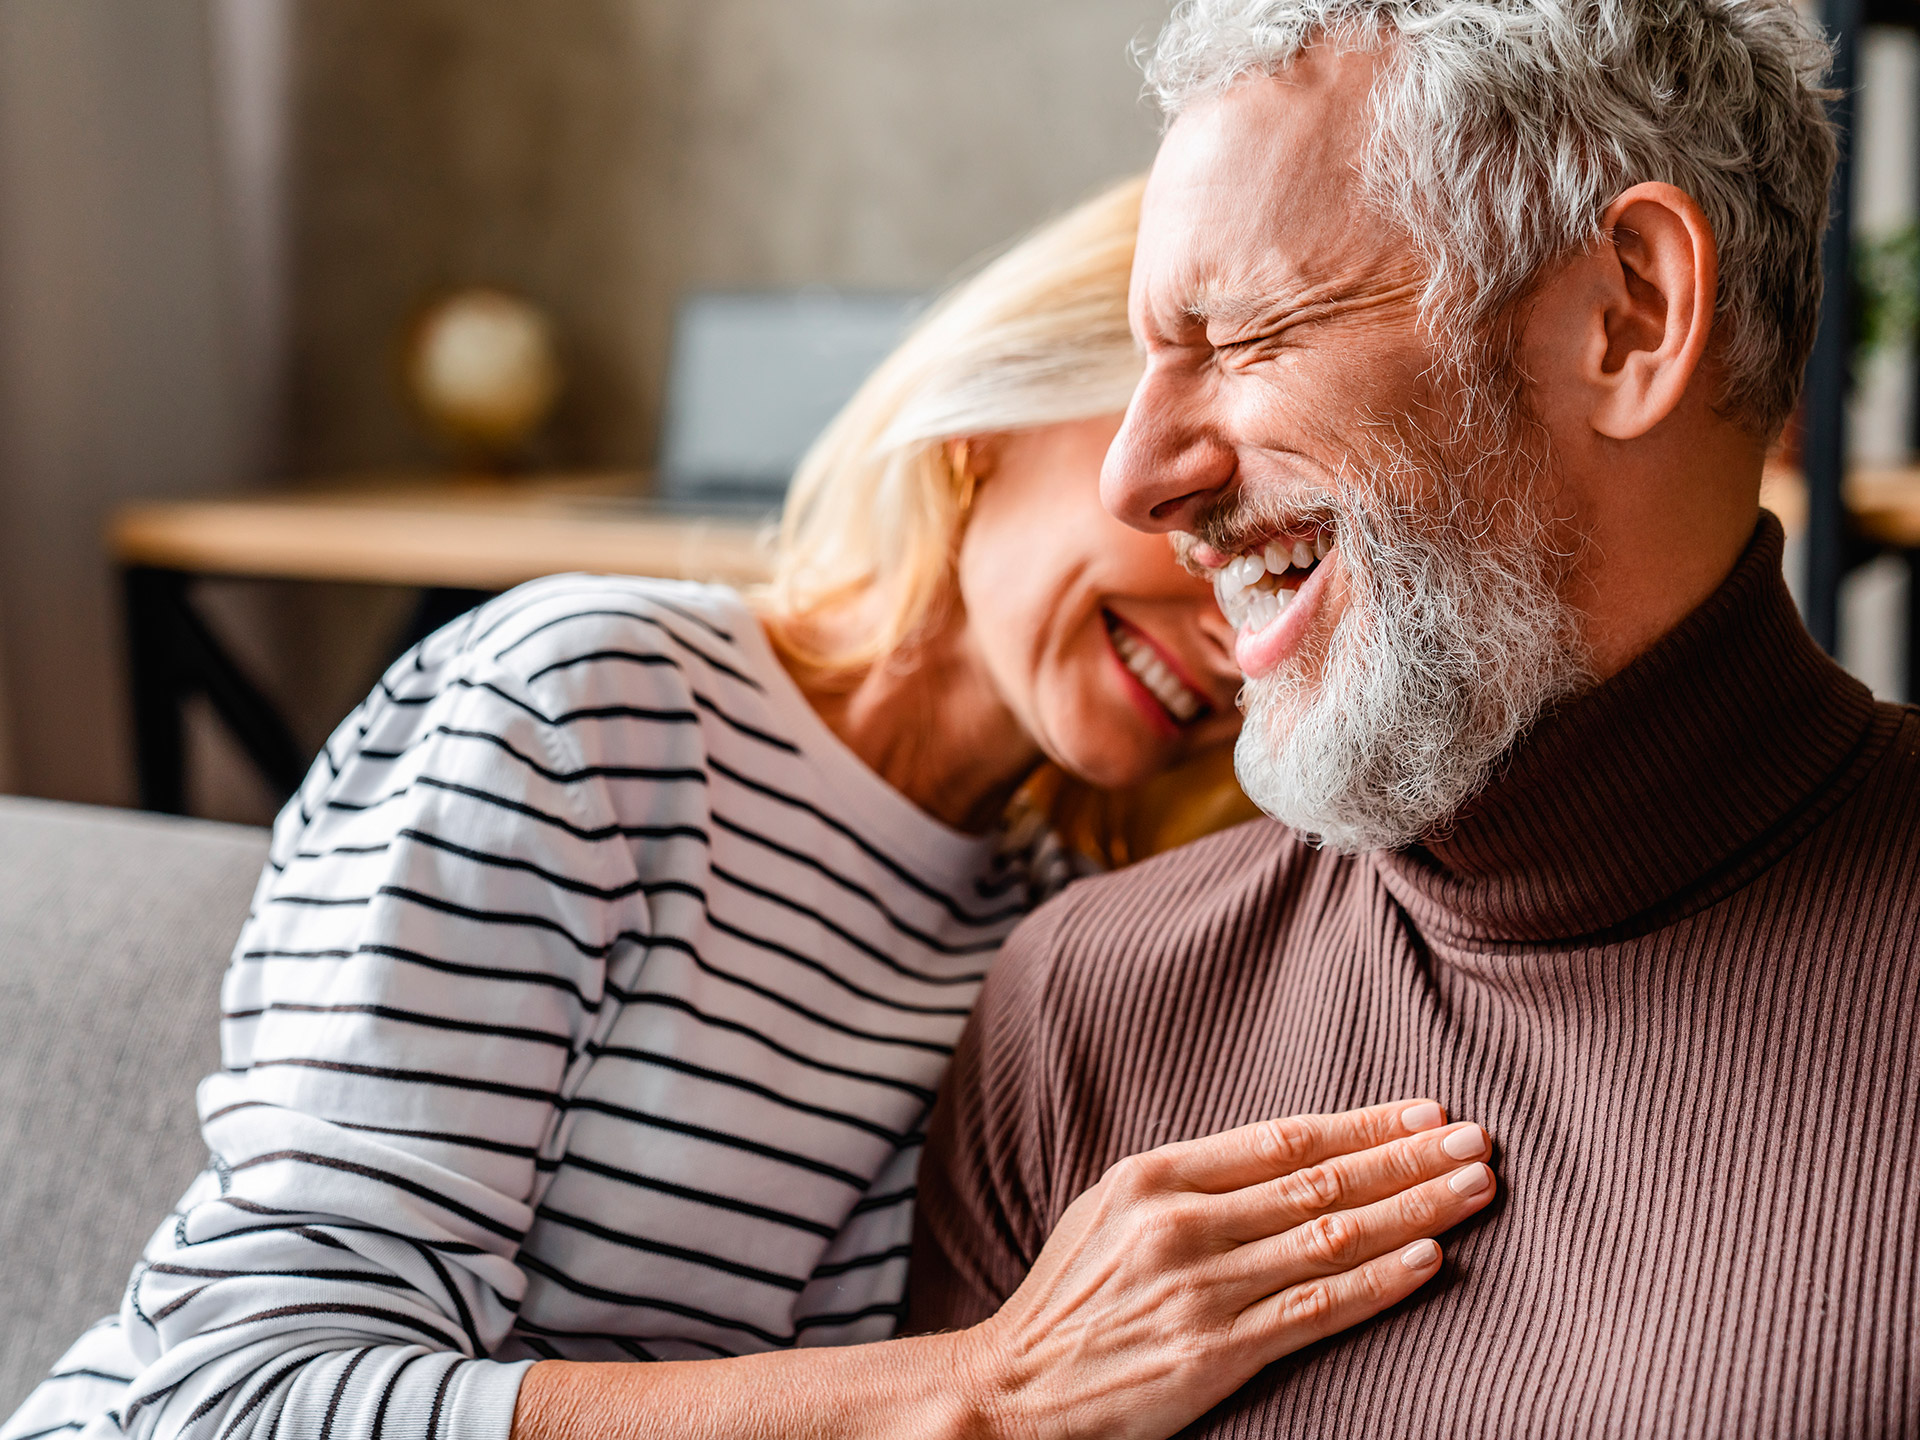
(556, 689)
(628, 631)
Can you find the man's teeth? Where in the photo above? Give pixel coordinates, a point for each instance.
(1247, 587)
(1154, 673)
(1244, 571)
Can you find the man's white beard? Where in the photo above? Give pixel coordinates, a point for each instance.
(1454, 638)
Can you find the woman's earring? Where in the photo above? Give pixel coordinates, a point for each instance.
(963, 475)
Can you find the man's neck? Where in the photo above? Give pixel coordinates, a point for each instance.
(1664, 521)
(1679, 777)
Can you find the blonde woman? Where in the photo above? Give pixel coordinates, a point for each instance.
(608, 961)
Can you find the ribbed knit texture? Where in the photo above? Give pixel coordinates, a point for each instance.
(1670, 958)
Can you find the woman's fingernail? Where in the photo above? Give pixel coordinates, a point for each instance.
(1470, 1181)
(1420, 1254)
(1465, 1143)
(1423, 1116)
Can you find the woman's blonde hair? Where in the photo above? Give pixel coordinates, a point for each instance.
(1037, 337)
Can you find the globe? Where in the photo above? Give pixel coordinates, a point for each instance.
(483, 369)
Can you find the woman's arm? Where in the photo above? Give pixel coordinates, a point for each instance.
(1166, 1287)
(900, 1389)
(406, 1008)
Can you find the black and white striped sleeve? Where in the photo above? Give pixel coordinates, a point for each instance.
(417, 990)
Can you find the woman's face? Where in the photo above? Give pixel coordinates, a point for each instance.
(1115, 660)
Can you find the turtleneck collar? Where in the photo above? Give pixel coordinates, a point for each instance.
(1661, 789)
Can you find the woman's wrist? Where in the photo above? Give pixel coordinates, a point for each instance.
(986, 1386)
(929, 1387)
(954, 1382)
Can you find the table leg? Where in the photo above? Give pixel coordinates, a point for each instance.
(159, 749)
(1912, 696)
(175, 656)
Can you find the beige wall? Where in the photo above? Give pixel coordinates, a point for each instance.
(601, 155)
(118, 376)
(604, 155)
(8, 783)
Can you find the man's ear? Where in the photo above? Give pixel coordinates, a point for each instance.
(1658, 274)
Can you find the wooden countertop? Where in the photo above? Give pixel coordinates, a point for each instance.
(1886, 505)
(1885, 502)
(489, 533)
(469, 532)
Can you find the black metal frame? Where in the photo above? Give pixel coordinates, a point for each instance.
(1913, 627)
(1832, 550)
(175, 656)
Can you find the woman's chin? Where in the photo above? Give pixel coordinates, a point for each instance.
(1119, 736)
(1104, 770)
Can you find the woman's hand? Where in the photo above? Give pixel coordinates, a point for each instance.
(1187, 1269)
(1165, 1288)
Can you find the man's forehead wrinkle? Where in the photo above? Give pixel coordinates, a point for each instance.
(1229, 287)
(1250, 217)
(1281, 296)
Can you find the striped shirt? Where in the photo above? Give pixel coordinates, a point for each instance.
(589, 1007)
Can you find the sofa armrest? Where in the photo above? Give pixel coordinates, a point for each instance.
(114, 930)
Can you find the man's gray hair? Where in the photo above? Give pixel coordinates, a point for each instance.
(1504, 128)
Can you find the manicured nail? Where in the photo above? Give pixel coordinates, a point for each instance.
(1465, 1143)
(1470, 1181)
(1420, 1254)
(1423, 1116)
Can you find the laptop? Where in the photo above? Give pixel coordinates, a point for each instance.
(753, 379)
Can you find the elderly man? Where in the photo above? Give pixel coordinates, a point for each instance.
(1468, 325)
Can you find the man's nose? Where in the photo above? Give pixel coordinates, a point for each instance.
(1166, 466)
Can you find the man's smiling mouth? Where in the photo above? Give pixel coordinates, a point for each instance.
(1255, 588)
(1145, 663)
(1271, 591)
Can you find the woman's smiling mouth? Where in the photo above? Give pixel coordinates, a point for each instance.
(1150, 666)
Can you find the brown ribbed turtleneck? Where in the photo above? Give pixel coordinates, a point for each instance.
(1670, 958)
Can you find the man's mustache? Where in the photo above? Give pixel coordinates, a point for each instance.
(1239, 522)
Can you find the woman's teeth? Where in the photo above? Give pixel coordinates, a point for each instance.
(1248, 586)
(1154, 673)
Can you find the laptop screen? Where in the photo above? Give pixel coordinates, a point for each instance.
(754, 378)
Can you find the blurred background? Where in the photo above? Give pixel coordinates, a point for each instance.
(222, 221)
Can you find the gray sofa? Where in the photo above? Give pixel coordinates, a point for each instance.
(114, 930)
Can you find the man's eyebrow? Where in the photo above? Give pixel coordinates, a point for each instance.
(1265, 307)
(1286, 306)
(1230, 308)
(1211, 307)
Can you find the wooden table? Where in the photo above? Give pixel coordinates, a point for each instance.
(459, 539)
(1884, 504)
